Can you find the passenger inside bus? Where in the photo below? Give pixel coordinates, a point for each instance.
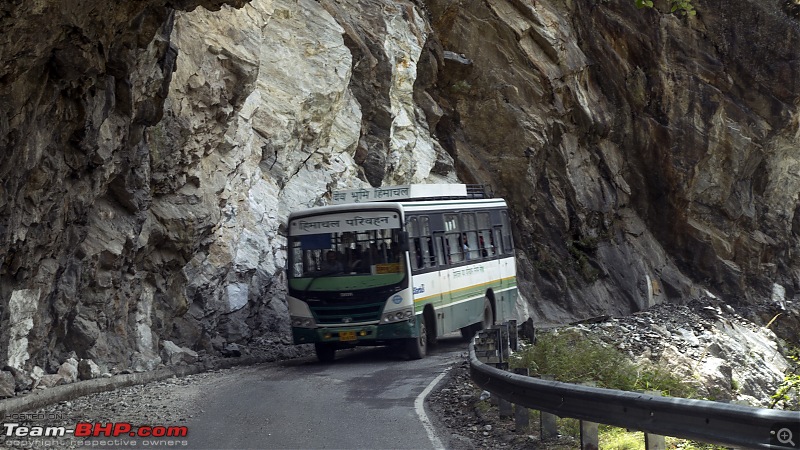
(331, 263)
(356, 263)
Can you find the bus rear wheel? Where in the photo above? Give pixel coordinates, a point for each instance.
(487, 321)
(468, 332)
(417, 347)
(325, 352)
(488, 315)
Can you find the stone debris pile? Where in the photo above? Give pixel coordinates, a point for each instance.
(17, 382)
(707, 343)
(712, 345)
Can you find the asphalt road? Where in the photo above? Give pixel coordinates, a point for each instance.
(369, 398)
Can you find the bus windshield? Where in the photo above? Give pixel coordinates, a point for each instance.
(352, 257)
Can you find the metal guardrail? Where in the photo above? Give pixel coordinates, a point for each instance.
(700, 420)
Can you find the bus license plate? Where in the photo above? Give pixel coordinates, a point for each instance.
(347, 335)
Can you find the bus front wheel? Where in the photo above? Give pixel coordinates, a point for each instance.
(417, 347)
(325, 352)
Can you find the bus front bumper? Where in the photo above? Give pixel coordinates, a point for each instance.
(356, 335)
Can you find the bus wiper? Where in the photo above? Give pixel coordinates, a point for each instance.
(315, 278)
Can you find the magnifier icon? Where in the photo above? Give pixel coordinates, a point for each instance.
(784, 436)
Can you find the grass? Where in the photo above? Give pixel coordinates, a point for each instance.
(573, 357)
(589, 359)
(620, 439)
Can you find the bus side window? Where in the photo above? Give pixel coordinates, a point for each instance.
(498, 240)
(469, 236)
(431, 254)
(414, 248)
(484, 235)
(428, 255)
(484, 242)
(508, 244)
(416, 254)
(443, 249)
(471, 250)
(455, 247)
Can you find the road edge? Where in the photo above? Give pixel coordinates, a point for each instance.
(41, 398)
(419, 407)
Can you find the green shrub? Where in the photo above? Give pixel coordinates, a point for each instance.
(572, 357)
(787, 396)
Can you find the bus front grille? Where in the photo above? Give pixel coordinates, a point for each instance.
(347, 313)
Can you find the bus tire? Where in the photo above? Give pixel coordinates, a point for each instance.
(468, 332)
(430, 321)
(326, 352)
(417, 347)
(487, 320)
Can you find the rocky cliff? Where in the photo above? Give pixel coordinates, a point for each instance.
(152, 151)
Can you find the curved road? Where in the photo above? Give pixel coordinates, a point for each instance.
(369, 398)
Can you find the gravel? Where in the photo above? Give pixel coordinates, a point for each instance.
(464, 420)
(464, 417)
(152, 404)
(467, 419)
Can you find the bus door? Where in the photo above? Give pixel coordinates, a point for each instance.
(443, 316)
(427, 282)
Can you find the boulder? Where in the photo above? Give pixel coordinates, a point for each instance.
(232, 350)
(88, 370)
(22, 380)
(144, 361)
(173, 355)
(69, 370)
(7, 384)
(49, 380)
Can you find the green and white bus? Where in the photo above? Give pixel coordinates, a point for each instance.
(401, 264)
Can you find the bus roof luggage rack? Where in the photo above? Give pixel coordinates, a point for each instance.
(478, 191)
(415, 192)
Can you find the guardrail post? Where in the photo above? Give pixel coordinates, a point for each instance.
(487, 350)
(654, 441)
(504, 406)
(486, 346)
(548, 428)
(522, 416)
(513, 335)
(503, 346)
(736, 425)
(589, 433)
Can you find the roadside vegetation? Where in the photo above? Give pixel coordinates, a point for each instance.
(683, 7)
(787, 396)
(589, 360)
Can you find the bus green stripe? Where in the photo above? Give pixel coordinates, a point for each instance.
(501, 283)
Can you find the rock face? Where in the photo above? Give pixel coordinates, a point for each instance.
(78, 86)
(645, 154)
(710, 346)
(152, 151)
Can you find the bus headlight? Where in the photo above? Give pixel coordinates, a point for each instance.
(397, 316)
(303, 322)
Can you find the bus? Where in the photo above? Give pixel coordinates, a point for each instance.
(399, 265)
